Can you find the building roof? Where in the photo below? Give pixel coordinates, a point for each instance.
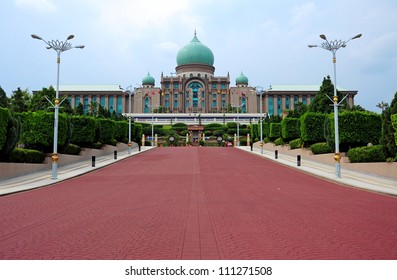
(195, 52)
(299, 88)
(88, 88)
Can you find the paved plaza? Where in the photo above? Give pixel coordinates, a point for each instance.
(197, 203)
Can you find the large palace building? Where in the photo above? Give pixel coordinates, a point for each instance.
(194, 89)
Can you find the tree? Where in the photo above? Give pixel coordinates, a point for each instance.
(3, 98)
(20, 100)
(387, 139)
(40, 103)
(321, 103)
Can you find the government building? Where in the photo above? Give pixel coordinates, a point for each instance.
(195, 89)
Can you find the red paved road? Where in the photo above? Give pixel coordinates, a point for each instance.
(197, 203)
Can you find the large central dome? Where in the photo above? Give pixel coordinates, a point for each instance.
(195, 53)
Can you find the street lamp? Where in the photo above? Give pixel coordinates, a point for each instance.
(260, 93)
(59, 47)
(130, 92)
(238, 123)
(333, 46)
(152, 106)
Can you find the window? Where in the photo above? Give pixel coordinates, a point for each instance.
(167, 85)
(187, 104)
(287, 103)
(213, 85)
(77, 101)
(243, 105)
(214, 103)
(176, 104)
(103, 101)
(167, 104)
(304, 100)
(85, 105)
(279, 109)
(223, 86)
(270, 105)
(187, 94)
(119, 104)
(176, 85)
(93, 99)
(70, 100)
(111, 104)
(146, 108)
(214, 95)
(296, 100)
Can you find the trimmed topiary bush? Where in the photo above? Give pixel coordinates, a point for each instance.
(278, 141)
(275, 131)
(296, 144)
(72, 149)
(107, 129)
(290, 128)
(26, 156)
(367, 154)
(320, 148)
(312, 127)
(84, 130)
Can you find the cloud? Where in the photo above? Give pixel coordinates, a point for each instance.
(42, 6)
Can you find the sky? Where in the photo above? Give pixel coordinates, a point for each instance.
(266, 39)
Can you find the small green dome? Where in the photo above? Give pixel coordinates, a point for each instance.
(148, 80)
(195, 52)
(242, 79)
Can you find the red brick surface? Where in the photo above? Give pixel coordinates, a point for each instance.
(197, 203)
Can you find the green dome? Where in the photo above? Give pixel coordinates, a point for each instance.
(242, 79)
(195, 52)
(148, 80)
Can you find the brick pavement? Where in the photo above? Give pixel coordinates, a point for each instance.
(197, 203)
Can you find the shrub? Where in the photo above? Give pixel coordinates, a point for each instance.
(72, 149)
(290, 128)
(394, 124)
(366, 129)
(107, 129)
(37, 130)
(312, 127)
(278, 141)
(367, 154)
(275, 131)
(4, 115)
(320, 148)
(295, 144)
(84, 130)
(26, 156)
(121, 133)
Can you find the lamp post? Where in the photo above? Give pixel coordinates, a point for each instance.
(130, 92)
(152, 106)
(260, 93)
(238, 123)
(333, 46)
(59, 47)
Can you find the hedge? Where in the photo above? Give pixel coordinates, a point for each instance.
(83, 131)
(275, 130)
(38, 130)
(356, 129)
(4, 116)
(367, 154)
(295, 144)
(72, 149)
(394, 124)
(320, 148)
(290, 128)
(107, 129)
(121, 133)
(19, 155)
(312, 127)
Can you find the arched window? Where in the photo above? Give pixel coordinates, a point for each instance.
(147, 105)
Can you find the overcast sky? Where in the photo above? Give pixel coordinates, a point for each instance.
(266, 39)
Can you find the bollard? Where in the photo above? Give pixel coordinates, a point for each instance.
(276, 154)
(298, 160)
(252, 147)
(139, 148)
(93, 161)
(115, 154)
